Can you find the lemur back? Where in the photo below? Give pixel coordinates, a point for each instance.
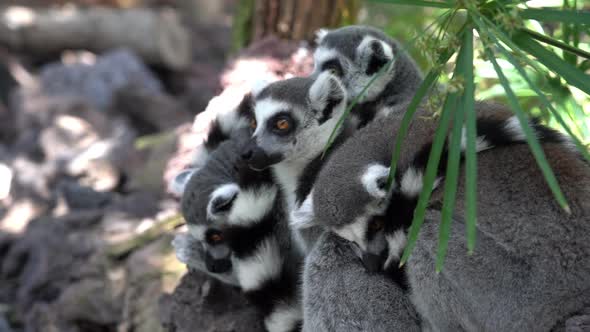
(529, 254)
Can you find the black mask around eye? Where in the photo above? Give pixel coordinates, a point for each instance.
(333, 66)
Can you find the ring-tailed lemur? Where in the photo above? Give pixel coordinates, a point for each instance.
(295, 118)
(225, 126)
(237, 217)
(356, 54)
(527, 272)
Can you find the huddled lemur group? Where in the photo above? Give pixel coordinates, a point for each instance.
(314, 240)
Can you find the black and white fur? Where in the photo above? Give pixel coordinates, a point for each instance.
(356, 54)
(237, 217)
(224, 127)
(528, 270)
(311, 107)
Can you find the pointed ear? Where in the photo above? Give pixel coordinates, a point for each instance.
(222, 199)
(303, 217)
(326, 95)
(374, 180)
(374, 54)
(320, 34)
(178, 184)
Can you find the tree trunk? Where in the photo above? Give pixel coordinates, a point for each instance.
(290, 19)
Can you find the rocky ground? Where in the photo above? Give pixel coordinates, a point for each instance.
(87, 147)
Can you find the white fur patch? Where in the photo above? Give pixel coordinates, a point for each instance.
(396, 243)
(284, 318)
(266, 263)
(320, 34)
(354, 232)
(481, 143)
(303, 216)
(178, 183)
(359, 79)
(259, 85)
(226, 190)
(266, 108)
(512, 126)
(252, 205)
(412, 182)
(231, 121)
(197, 231)
(370, 180)
(200, 157)
(323, 54)
(321, 90)
(364, 50)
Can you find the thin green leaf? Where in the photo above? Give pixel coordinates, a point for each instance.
(551, 15)
(421, 3)
(450, 190)
(570, 73)
(546, 103)
(430, 174)
(429, 80)
(557, 43)
(471, 134)
(530, 136)
(349, 108)
(454, 158)
(498, 34)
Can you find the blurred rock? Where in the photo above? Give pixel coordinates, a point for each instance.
(7, 124)
(200, 303)
(4, 327)
(156, 150)
(96, 78)
(152, 270)
(90, 300)
(148, 111)
(80, 197)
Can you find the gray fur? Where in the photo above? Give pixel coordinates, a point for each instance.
(190, 252)
(307, 101)
(530, 269)
(340, 295)
(271, 258)
(391, 92)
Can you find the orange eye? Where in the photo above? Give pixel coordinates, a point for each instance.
(253, 123)
(216, 238)
(377, 224)
(282, 124)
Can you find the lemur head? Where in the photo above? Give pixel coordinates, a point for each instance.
(232, 124)
(294, 119)
(225, 195)
(356, 54)
(354, 204)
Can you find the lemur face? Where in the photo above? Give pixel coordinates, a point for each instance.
(356, 54)
(372, 224)
(220, 199)
(294, 119)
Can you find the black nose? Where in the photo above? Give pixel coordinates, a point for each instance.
(217, 265)
(247, 155)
